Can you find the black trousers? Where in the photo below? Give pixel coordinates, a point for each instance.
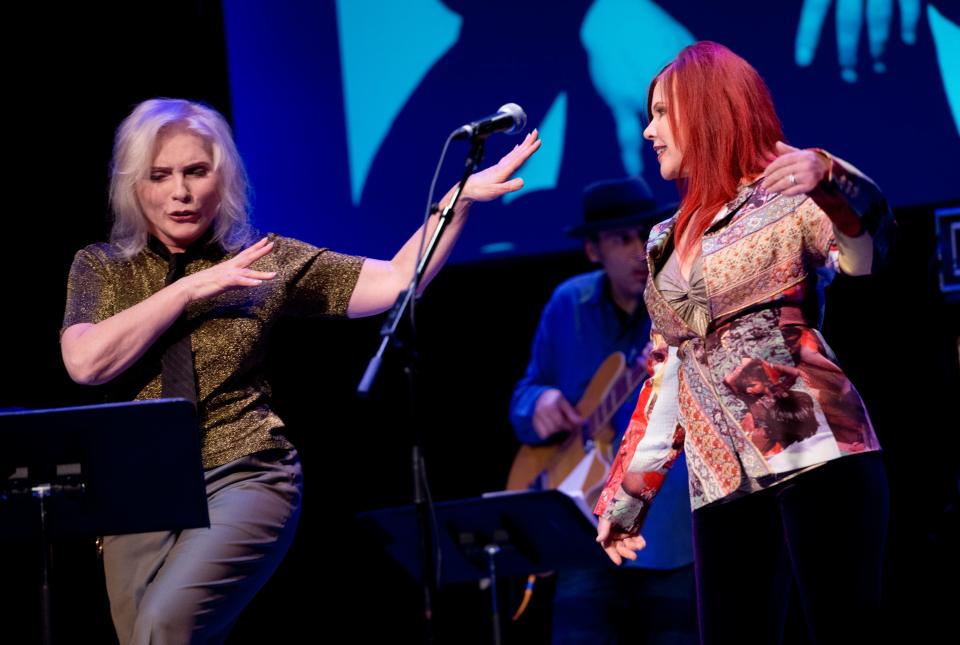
(825, 529)
(609, 605)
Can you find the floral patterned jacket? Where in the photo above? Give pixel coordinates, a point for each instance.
(758, 396)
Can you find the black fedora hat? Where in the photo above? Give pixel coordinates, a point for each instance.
(619, 203)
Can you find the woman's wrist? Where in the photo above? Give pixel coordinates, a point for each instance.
(181, 292)
(828, 160)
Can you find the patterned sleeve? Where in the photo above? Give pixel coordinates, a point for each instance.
(651, 445)
(847, 225)
(319, 281)
(89, 291)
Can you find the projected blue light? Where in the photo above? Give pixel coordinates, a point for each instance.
(851, 16)
(340, 107)
(946, 36)
(542, 171)
(497, 247)
(628, 42)
(385, 50)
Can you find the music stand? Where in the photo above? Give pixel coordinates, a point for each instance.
(99, 470)
(510, 533)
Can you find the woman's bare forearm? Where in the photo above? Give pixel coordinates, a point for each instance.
(96, 353)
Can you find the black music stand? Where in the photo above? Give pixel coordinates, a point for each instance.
(510, 533)
(99, 470)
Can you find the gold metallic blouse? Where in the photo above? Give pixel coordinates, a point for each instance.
(229, 332)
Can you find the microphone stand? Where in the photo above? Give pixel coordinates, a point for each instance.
(421, 498)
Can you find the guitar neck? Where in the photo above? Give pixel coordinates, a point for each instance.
(616, 395)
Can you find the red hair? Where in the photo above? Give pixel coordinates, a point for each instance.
(725, 125)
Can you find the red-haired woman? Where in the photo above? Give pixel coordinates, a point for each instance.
(786, 479)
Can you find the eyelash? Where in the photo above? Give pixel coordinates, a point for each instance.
(196, 172)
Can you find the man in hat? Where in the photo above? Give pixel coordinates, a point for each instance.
(587, 318)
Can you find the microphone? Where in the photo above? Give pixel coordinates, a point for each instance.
(510, 118)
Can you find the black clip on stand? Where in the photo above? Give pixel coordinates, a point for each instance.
(389, 334)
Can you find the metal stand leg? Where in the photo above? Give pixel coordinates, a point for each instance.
(41, 492)
(492, 550)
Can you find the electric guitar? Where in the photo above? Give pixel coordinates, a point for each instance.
(578, 464)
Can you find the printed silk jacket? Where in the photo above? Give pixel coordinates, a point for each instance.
(759, 396)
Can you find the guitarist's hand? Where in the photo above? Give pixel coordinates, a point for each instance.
(617, 544)
(553, 414)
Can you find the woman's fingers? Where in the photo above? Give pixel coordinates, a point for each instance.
(256, 246)
(228, 275)
(624, 550)
(259, 275)
(495, 181)
(253, 253)
(794, 171)
(511, 161)
(603, 530)
(612, 553)
(246, 277)
(515, 158)
(635, 542)
(617, 545)
(496, 190)
(245, 281)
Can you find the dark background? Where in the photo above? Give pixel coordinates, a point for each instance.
(73, 77)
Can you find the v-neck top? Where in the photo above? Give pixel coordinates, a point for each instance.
(687, 297)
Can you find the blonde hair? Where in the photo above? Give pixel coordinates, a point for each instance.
(134, 148)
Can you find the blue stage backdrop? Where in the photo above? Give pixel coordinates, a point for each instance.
(341, 108)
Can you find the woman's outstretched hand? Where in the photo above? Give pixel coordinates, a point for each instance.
(233, 273)
(495, 181)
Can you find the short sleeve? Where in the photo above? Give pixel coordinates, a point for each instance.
(319, 281)
(89, 291)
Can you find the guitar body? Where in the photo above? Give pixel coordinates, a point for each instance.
(577, 467)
